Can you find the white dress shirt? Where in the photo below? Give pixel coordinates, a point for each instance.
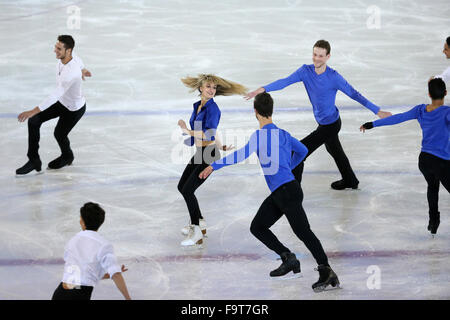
(445, 75)
(68, 86)
(88, 256)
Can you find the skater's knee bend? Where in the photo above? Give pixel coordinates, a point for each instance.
(59, 134)
(185, 191)
(256, 227)
(34, 121)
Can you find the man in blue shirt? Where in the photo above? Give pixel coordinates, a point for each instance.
(279, 153)
(434, 158)
(321, 83)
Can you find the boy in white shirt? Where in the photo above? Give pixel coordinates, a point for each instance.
(66, 103)
(89, 258)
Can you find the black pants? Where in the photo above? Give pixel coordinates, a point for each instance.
(82, 293)
(67, 120)
(328, 135)
(285, 200)
(189, 181)
(435, 170)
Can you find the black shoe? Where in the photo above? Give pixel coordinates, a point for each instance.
(30, 166)
(60, 162)
(290, 263)
(326, 277)
(434, 222)
(341, 185)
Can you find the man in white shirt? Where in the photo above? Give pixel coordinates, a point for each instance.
(446, 74)
(89, 258)
(66, 102)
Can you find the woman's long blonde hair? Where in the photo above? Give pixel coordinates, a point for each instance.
(224, 87)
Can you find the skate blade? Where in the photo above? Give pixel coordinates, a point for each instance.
(30, 174)
(289, 276)
(327, 288)
(192, 247)
(197, 245)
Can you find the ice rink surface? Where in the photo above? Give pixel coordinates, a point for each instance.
(128, 155)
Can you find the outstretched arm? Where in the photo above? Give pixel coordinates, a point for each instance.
(346, 88)
(395, 119)
(121, 285)
(233, 158)
(51, 99)
(277, 85)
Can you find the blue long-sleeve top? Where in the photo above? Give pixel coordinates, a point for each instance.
(278, 153)
(322, 89)
(207, 120)
(435, 128)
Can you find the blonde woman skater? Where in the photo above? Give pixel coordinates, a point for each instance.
(203, 126)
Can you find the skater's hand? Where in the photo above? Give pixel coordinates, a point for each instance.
(27, 114)
(182, 124)
(107, 276)
(383, 114)
(366, 126)
(226, 148)
(252, 94)
(85, 73)
(205, 173)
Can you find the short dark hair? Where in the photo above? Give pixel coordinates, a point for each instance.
(68, 41)
(263, 104)
(324, 44)
(436, 88)
(448, 41)
(93, 215)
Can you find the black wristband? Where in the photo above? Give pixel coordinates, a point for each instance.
(368, 125)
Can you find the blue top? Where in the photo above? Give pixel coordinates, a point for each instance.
(274, 148)
(207, 120)
(435, 128)
(322, 89)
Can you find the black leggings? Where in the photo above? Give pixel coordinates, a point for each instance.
(435, 170)
(189, 181)
(77, 293)
(328, 135)
(285, 200)
(67, 120)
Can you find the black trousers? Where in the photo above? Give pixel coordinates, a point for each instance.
(189, 181)
(285, 200)
(81, 293)
(328, 135)
(435, 170)
(67, 120)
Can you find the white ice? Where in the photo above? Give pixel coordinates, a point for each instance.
(137, 51)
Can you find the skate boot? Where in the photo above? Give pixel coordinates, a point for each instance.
(195, 236)
(434, 222)
(326, 277)
(185, 230)
(30, 166)
(341, 185)
(60, 162)
(289, 263)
